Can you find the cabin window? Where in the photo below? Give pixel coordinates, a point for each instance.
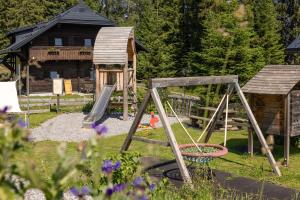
(58, 42)
(54, 74)
(88, 42)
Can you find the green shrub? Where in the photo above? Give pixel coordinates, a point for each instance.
(116, 177)
(12, 140)
(88, 107)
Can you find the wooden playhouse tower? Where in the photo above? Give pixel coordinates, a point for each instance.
(274, 95)
(115, 60)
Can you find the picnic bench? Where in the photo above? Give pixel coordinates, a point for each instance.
(234, 123)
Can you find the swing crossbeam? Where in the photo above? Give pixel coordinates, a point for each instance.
(191, 81)
(154, 84)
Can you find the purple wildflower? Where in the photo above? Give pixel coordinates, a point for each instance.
(84, 191)
(115, 188)
(152, 187)
(74, 191)
(109, 192)
(94, 125)
(108, 166)
(100, 129)
(119, 187)
(4, 110)
(138, 181)
(21, 123)
(117, 165)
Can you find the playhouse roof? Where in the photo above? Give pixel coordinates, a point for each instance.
(274, 79)
(111, 45)
(294, 47)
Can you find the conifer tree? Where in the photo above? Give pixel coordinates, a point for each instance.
(229, 42)
(15, 13)
(267, 28)
(289, 17)
(3, 23)
(189, 34)
(155, 30)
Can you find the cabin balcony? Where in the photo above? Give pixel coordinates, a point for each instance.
(47, 53)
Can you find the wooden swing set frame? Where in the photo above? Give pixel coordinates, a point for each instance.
(154, 84)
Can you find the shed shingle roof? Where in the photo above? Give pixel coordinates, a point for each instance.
(294, 47)
(274, 79)
(111, 45)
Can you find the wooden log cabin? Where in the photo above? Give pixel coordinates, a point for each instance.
(61, 47)
(274, 95)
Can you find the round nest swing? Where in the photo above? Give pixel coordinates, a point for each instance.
(209, 151)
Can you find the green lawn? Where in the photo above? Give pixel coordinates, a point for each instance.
(44, 155)
(36, 119)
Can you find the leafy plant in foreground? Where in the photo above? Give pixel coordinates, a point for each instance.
(12, 140)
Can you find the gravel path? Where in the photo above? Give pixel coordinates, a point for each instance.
(68, 127)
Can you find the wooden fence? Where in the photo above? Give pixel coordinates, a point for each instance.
(183, 104)
(41, 105)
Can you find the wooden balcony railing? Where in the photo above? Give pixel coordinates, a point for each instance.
(44, 53)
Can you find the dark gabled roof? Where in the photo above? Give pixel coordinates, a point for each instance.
(82, 14)
(78, 14)
(294, 47)
(274, 79)
(21, 29)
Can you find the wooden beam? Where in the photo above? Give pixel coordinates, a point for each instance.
(287, 130)
(171, 137)
(257, 129)
(78, 76)
(97, 90)
(28, 92)
(134, 73)
(151, 141)
(250, 131)
(125, 91)
(189, 81)
(136, 122)
(113, 70)
(134, 81)
(219, 112)
(250, 142)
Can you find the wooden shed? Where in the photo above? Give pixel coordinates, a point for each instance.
(115, 61)
(294, 47)
(274, 95)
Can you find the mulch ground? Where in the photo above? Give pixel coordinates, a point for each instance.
(158, 169)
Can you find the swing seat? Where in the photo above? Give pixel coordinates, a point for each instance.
(209, 152)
